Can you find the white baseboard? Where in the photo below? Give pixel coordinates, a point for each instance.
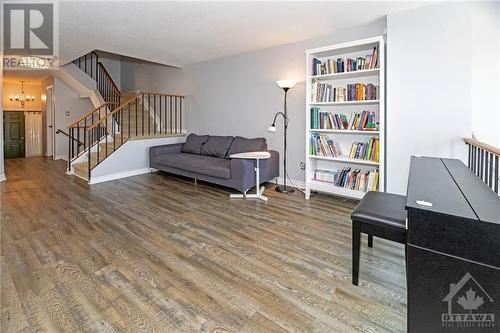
(118, 175)
(298, 183)
(61, 157)
(2, 177)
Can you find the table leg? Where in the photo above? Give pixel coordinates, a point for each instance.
(258, 189)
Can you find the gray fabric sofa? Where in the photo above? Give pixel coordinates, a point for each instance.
(207, 158)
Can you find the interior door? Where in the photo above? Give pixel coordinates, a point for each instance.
(13, 129)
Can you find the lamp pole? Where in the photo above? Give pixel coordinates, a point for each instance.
(284, 188)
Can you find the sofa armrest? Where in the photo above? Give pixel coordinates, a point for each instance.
(243, 173)
(157, 151)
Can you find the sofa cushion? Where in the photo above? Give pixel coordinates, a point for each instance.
(194, 143)
(243, 145)
(217, 146)
(204, 165)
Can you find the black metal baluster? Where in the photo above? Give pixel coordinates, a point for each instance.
(182, 102)
(470, 156)
(159, 111)
(69, 148)
(149, 114)
(490, 180)
(136, 102)
(98, 140)
(481, 153)
(129, 120)
(175, 115)
(142, 96)
(121, 128)
(106, 135)
(170, 114)
(496, 174)
(474, 159)
(154, 114)
(486, 162)
(113, 133)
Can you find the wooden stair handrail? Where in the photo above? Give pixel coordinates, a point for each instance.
(61, 131)
(88, 114)
(103, 119)
(489, 148)
(162, 94)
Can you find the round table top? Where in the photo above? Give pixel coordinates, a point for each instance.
(255, 155)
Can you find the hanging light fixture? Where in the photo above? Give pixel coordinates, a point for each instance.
(23, 99)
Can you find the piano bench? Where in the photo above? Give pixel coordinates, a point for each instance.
(377, 214)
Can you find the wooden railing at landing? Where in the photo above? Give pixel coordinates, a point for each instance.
(484, 162)
(143, 115)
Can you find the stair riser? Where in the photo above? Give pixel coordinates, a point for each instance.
(81, 173)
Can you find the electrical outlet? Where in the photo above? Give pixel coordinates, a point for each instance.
(302, 166)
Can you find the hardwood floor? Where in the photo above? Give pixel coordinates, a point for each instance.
(158, 253)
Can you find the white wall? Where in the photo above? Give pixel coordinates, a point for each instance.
(485, 71)
(237, 95)
(145, 76)
(67, 99)
(437, 91)
(120, 164)
(112, 63)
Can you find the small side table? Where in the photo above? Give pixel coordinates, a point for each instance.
(255, 155)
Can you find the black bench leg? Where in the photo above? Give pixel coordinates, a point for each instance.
(356, 244)
(370, 240)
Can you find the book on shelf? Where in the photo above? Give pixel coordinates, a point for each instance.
(365, 150)
(364, 121)
(341, 65)
(325, 92)
(322, 145)
(356, 179)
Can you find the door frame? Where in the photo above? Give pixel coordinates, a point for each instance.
(50, 113)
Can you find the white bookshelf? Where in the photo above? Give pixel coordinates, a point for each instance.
(345, 138)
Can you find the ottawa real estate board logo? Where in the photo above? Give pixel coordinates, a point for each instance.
(469, 305)
(29, 35)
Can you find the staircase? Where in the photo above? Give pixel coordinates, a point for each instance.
(123, 117)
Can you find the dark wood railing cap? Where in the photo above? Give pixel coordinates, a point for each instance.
(489, 148)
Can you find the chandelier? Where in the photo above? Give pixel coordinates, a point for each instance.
(23, 99)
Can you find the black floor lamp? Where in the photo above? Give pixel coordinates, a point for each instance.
(285, 85)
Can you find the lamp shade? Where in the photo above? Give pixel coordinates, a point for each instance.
(286, 84)
(272, 129)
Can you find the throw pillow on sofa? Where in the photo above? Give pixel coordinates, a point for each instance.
(243, 145)
(217, 146)
(194, 143)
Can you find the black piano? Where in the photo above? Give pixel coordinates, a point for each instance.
(453, 249)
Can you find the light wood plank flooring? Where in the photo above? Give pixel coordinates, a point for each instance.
(158, 253)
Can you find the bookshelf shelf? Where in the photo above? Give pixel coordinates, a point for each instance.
(339, 86)
(373, 101)
(339, 131)
(344, 160)
(352, 74)
(343, 192)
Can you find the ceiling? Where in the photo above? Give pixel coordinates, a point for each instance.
(31, 77)
(178, 33)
